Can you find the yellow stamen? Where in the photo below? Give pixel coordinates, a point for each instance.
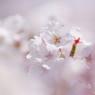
(62, 55)
(57, 40)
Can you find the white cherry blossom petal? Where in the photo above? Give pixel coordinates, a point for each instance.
(86, 51)
(76, 32)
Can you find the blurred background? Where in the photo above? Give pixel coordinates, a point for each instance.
(71, 13)
(20, 20)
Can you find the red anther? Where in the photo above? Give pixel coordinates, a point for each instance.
(77, 41)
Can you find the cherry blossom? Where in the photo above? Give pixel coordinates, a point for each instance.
(55, 34)
(77, 38)
(88, 54)
(45, 52)
(56, 66)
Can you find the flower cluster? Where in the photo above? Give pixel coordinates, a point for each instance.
(55, 58)
(14, 36)
(14, 32)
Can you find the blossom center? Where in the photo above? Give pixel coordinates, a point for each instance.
(57, 40)
(89, 58)
(49, 55)
(77, 41)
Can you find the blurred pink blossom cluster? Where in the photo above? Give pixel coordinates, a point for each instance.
(64, 62)
(14, 32)
(14, 36)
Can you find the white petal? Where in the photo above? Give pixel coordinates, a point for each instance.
(28, 56)
(86, 43)
(35, 71)
(76, 32)
(46, 66)
(86, 51)
(66, 39)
